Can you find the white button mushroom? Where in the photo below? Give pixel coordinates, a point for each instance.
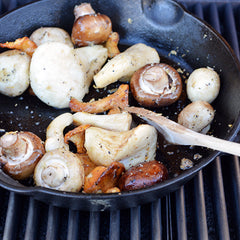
(56, 75)
(203, 84)
(197, 116)
(61, 170)
(14, 72)
(51, 34)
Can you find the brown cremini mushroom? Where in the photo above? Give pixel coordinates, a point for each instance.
(89, 27)
(143, 175)
(156, 85)
(19, 153)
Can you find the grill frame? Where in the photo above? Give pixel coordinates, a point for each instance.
(207, 207)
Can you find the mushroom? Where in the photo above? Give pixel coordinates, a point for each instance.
(117, 99)
(56, 75)
(88, 165)
(92, 58)
(89, 27)
(156, 85)
(129, 147)
(103, 179)
(77, 137)
(197, 116)
(203, 84)
(60, 170)
(54, 134)
(51, 34)
(14, 72)
(123, 65)
(115, 122)
(19, 153)
(112, 45)
(143, 175)
(23, 44)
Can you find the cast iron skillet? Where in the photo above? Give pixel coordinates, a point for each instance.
(180, 38)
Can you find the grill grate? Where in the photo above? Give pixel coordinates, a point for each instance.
(208, 207)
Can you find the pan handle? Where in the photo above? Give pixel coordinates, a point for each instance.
(163, 12)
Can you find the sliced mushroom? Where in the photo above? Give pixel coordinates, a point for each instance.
(77, 136)
(92, 58)
(88, 165)
(61, 170)
(203, 85)
(19, 153)
(14, 72)
(54, 134)
(115, 122)
(123, 65)
(197, 116)
(56, 75)
(23, 44)
(102, 179)
(129, 147)
(156, 85)
(89, 27)
(143, 175)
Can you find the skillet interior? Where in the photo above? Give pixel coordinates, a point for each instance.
(181, 40)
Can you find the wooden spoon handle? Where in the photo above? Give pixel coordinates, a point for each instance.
(178, 134)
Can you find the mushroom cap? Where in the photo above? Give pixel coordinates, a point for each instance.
(91, 29)
(61, 170)
(197, 116)
(51, 34)
(22, 167)
(56, 75)
(203, 84)
(14, 72)
(156, 85)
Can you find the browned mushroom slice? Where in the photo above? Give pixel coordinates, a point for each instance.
(24, 44)
(77, 136)
(117, 99)
(19, 153)
(156, 85)
(101, 179)
(143, 175)
(88, 165)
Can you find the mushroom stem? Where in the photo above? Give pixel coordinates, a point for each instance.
(82, 10)
(13, 145)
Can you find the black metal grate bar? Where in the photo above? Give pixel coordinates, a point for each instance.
(135, 223)
(181, 215)
(94, 225)
(156, 220)
(31, 223)
(114, 226)
(208, 207)
(201, 219)
(73, 228)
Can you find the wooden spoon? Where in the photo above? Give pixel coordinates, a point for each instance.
(177, 134)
